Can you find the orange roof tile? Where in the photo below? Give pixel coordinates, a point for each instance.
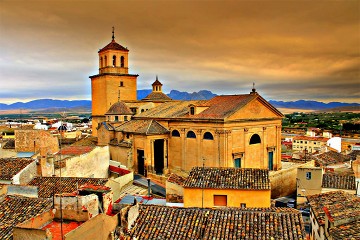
(113, 46)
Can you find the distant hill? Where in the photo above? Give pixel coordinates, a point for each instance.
(85, 105)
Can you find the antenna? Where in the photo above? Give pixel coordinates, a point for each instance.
(113, 33)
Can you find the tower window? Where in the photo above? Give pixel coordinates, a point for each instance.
(122, 61)
(191, 134)
(208, 136)
(121, 84)
(105, 58)
(101, 62)
(175, 133)
(255, 139)
(192, 110)
(114, 61)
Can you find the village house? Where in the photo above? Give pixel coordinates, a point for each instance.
(227, 187)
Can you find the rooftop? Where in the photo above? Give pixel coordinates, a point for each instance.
(9, 167)
(56, 226)
(48, 186)
(15, 210)
(321, 139)
(346, 231)
(119, 108)
(159, 222)
(329, 158)
(147, 127)
(113, 46)
(156, 96)
(338, 181)
(337, 202)
(228, 178)
(75, 150)
(173, 178)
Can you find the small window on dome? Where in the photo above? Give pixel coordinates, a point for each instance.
(122, 61)
(114, 61)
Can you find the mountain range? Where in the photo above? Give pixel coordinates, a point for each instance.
(41, 104)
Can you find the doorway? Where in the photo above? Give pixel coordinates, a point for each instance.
(141, 162)
(271, 159)
(159, 156)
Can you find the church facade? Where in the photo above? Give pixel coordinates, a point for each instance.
(158, 135)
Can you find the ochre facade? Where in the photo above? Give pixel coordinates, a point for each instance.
(227, 131)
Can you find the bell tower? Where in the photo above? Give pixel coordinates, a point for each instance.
(113, 79)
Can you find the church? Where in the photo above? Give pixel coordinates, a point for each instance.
(156, 135)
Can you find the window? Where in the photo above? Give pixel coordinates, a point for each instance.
(105, 61)
(133, 110)
(121, 84)
(255, 139)
(175, 133)
(192, 110)
(101, 62)
(301, 141)
(308, 175)
(116, 118)
(122, 61)
(243, 205)
(114, 61)
(190, 134)
(208, 136)
(125, 118)
(220, 200)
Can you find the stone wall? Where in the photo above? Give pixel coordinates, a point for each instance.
(283, 182)
(34, 140)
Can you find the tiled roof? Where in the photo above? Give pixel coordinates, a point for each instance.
(353, 154)
(113, 46)
(320, 139)
(338, 202)
(219, 107)
(328, 158)
(75, 150)
(9, 167)
(15, 209)
(9, 144)
(156, 96)
(119, 108)
(228, 178)
(347, 231)
(48, 186)
(87, 141)
(173, 178)
(338, 181)
(147, 127)
(159, 222)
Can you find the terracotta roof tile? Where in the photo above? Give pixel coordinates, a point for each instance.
(173, 178)
(148, 127)
(328, 158)
(75, 150)
(119, 108)
(159, 222)
(347, 231)
(15, 210)
(171, 109)
(156, 96)
(338, 181)
(228, 178)
(320, 139)
(9, 144)
(338, 202)
(354, 154)
(9, 167)
(48, 186)
(113, 46)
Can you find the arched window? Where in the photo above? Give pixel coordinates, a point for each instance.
(122, 61)
(191, 134)
(114, 61)
(175, 133)
(192, 110)
(105, 58)
(208, 136)
(255, 139)
(101, 62)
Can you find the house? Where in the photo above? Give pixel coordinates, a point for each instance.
(17, 170)
(308, 182)
(334, 214)
(310, 144)
(227, 187)
(160, 222)
(16, 209)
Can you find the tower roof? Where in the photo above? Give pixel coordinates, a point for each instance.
(113, 46)
(119, 108)
(157, 82)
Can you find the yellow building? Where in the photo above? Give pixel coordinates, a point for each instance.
(310, 144)
(227, 187)
(165, 135)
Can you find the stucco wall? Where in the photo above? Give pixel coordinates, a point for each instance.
(93, 164)
(25, 175)
(89, 203)
(193, 197)
(283, 182)
(116, 184)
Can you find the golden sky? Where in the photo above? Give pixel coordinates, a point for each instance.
(291, 49)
